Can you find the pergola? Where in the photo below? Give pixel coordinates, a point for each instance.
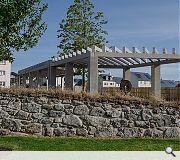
(94, 58)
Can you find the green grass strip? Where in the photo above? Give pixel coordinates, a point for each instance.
(89, 144)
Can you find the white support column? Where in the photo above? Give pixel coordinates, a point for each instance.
(156, 81)
(69, 73)
(30, 80)
(127, 74)
(62, 83)
(39, 79)
(51, 76)
(24, 80)
(93, 74)
(19, 81)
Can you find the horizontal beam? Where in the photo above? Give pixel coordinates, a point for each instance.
(141, 65)
(138, 55)
(70, 59)
(34, 68)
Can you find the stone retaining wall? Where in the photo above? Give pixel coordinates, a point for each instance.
(22, 115)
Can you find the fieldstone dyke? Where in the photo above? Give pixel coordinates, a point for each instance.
(48, 116)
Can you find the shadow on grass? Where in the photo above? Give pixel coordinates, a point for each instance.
(7, 147)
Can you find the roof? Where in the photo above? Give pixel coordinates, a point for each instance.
(168, 83)
(108, 58)
(142, 76)
(78, 82)
(102, 75)
(117, 79)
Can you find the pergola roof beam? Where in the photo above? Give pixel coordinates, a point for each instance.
(116, 50)
(110, 61)
(117, 61)
(143, 64)
(105, 62)
(143, 60)
(127, 62)
(136, 55)
(136, 60)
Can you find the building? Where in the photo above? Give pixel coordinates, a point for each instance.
(169, 83)
(138, 79)
(106, 80)
(5, 73)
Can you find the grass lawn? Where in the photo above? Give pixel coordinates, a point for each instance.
(82, 144)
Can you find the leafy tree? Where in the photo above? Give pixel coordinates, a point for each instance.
(82, 28)
(21, 25)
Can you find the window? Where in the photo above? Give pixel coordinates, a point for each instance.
(147, 76)
(2, 73)
(138, 75)
(2, 62)
(111, 84)
(171, 82)
(2, 84)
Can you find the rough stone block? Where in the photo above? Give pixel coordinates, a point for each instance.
(34, 128)
(97, 121)
(146, 114)
(47, 106)
(56, 113)
(81, 132)
(104, 132)
(31, 107)
(76, 103)
(60, 131)
(173, 132)
(81, 110)
(72, 120)
(118, 122)
(91, 130)
(3, 114)
(59, 107)
(21, 115)
(46, 120)
(37, 115)
(142, 124)
(97, 111)
(12, 125)
(113, 113)
(4, 132)
(131, 132)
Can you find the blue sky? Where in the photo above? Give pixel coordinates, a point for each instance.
(149, 23)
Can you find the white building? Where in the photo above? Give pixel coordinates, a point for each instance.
(5, 74)
(140, 79)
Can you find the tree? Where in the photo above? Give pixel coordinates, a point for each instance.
(82, 28)
(21, 25)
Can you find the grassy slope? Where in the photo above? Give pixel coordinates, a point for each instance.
(77, 144)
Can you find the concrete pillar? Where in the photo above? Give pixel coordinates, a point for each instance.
(155, 80)
(24, 80)
(127, 74)
(62, 83)
(39, 77)
(69, 73)
(39, 81)
(30, 80)
(52, 76)
(19, 81)
(83, 79)
(93, 74)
